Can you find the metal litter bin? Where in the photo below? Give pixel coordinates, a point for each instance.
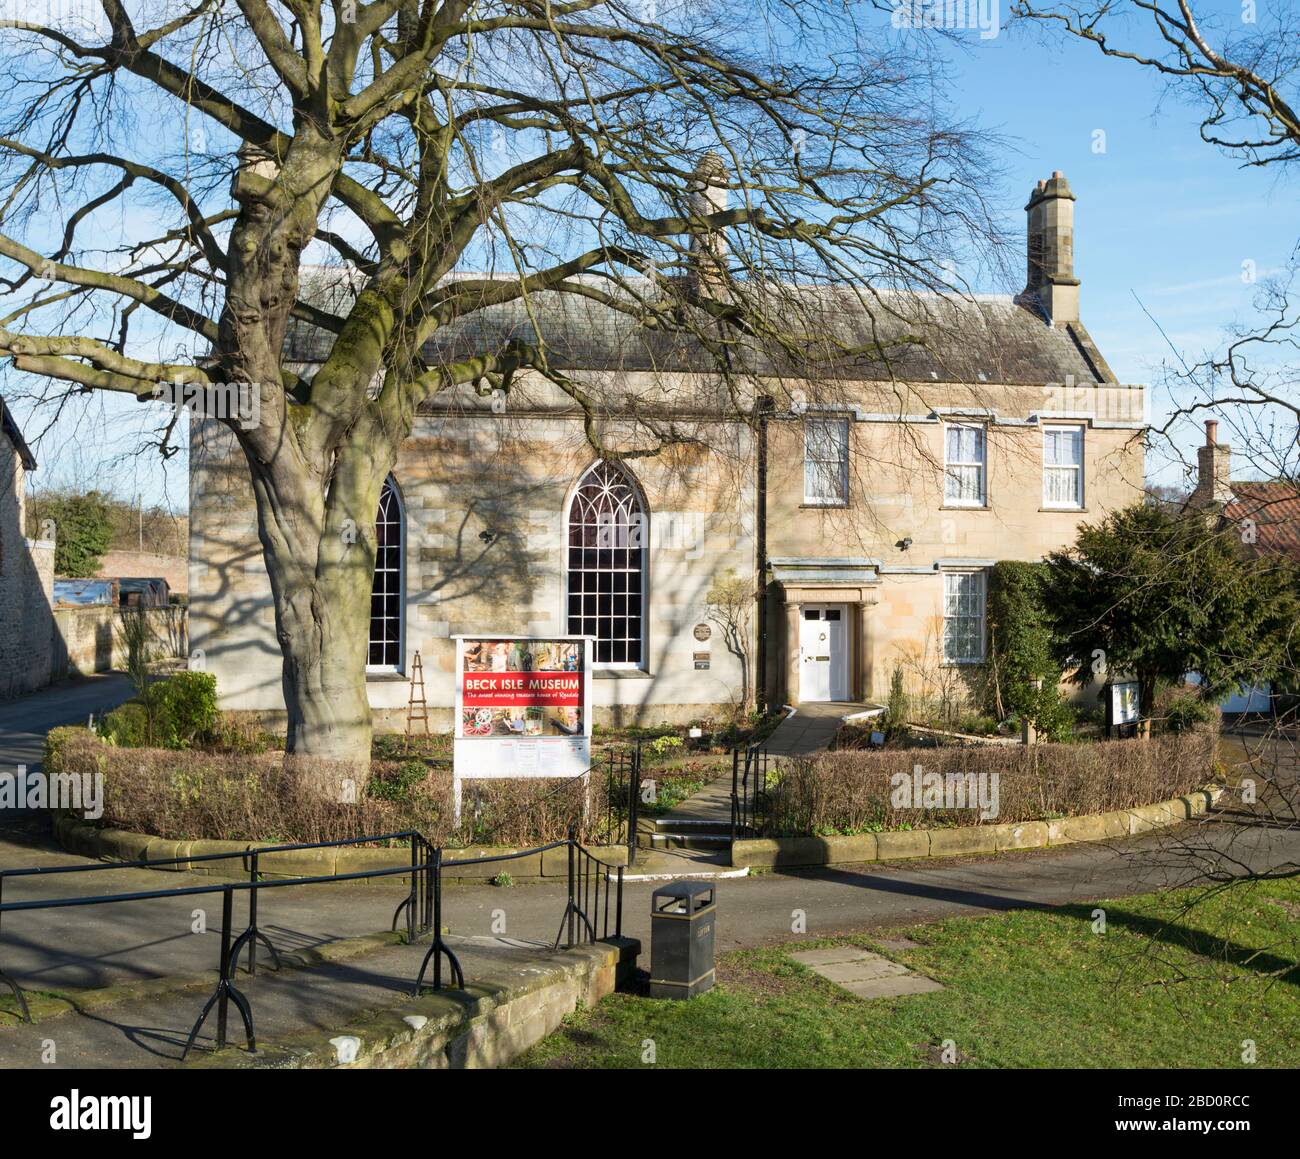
(681, 939)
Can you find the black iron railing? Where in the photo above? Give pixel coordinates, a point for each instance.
(423, 908)
(617, 812)
(751, 778)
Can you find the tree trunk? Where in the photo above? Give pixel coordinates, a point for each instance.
(320, 555)
(1146, 703)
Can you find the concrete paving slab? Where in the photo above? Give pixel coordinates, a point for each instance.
(828, 957)
(842, 973)
(899, 986)
(864, 974)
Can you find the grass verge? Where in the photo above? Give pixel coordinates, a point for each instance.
(1163, 986)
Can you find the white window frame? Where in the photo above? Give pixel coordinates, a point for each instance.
(840, 465)
(981, 575)
(643, 531)
(1077, 468)
(982, 464)
(400, 667)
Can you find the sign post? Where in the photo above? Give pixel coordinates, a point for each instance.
(1122, 708)
(523, 708)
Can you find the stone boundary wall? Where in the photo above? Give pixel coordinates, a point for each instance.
(797, 852)
(493, 1020)
(87, 840)
(88, 639)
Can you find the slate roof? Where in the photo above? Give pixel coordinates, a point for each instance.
(1275, 510)
(994, 339)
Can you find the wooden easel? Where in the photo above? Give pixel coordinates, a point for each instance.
(416, 707)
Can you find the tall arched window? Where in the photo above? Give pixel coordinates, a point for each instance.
(608, 540)
(386, 602)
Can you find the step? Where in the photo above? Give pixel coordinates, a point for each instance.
(671, 864)
(691, 826)
(701, 841)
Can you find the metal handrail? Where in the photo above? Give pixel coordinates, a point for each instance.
(251, 850)
(429, 869)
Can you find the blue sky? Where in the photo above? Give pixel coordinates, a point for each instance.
(1159, 214)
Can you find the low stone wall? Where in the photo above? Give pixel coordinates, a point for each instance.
(492, 1021)
(87, 840)
(88, 639)
(796, 852)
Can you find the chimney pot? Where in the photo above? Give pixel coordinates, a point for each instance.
(1213, 471)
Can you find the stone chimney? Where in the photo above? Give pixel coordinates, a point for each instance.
(1213, 470)
(1051, 250)
(708, 195)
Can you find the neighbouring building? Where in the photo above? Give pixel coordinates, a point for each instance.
(1266, 517)
(1266, 514)
(863, 511)
(26, 574)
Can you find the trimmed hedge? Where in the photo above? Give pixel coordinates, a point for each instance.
(850, 792)
(191, 794)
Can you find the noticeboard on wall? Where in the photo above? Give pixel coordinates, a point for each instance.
(523, 707)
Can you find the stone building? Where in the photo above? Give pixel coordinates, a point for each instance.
(26, 574)
(862, 511)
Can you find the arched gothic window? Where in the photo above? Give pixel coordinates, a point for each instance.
(608, 540)
(386, 601)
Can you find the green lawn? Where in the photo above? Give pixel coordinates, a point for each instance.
(1025, 989)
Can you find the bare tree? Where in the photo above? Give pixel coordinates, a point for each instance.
(1240, 76)
(731, 606)
(651, 160)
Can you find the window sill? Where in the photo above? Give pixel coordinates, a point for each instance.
(620, 674)
(963, 663)
(1064, 510)
(385, 677)
(823, 506)
(966, 507)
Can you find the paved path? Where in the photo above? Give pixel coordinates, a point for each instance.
(94, 947)
(812, 727)
(25, 720)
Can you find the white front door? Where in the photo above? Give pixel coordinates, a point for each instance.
(823, 652)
